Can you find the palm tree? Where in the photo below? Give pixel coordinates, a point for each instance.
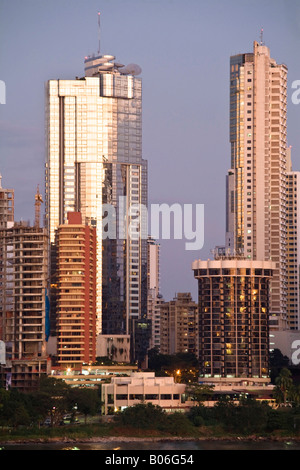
(284, 383)
(295, 395)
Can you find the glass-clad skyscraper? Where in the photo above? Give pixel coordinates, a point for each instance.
(94, 166)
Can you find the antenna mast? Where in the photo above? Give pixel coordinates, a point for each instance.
(98, 32)
(261, 36)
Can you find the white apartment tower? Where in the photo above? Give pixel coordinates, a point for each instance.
(154, 298)
(256, 223)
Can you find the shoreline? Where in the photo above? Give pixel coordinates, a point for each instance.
(67, 440)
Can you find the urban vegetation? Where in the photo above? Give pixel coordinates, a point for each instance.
(20, 420)
(184, 367)
(54, 402)
(56, 410)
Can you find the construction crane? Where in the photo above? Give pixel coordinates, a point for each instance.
(38, 201)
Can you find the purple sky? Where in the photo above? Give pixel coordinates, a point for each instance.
(183, 48)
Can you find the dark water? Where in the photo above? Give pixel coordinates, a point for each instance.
(179, 446)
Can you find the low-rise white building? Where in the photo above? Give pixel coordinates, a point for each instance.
(143, 387)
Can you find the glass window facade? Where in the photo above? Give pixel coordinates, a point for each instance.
(94, 156)
(233, 319)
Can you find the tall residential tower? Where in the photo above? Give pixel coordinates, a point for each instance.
(76, 275)
(293, 246)
(256, 183)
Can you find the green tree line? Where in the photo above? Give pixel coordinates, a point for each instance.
(53, 399)
(250, 417)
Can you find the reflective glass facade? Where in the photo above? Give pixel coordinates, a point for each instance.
(256, 183)
(94, 157)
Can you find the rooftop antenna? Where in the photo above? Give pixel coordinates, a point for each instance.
(99, 32)
(261, 36)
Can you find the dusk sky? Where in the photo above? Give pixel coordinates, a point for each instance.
(183, 48)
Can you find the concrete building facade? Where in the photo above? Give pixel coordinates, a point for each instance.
(179, 325)
(24, 299)
(142, 387)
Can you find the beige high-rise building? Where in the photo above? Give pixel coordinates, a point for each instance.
(179, 325)
(293, 246)
(256, 183)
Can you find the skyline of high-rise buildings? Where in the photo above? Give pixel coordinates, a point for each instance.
(261, 227)
(95, 169)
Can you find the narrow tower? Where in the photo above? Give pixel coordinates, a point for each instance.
(256, 183)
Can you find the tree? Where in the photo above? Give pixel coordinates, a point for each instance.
(277, 362)
(19, 415)
(14, 411)
(178, 424)
(87, 401)
(53, 394)
(184, 367)
(104, 361)
(39, 406)
(284, 383)
(145, 416)
(199, 392)
(223, 411)
(251, 415)
(294, 395)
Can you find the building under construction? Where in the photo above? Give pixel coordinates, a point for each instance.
(23, 303)
(6, 205)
